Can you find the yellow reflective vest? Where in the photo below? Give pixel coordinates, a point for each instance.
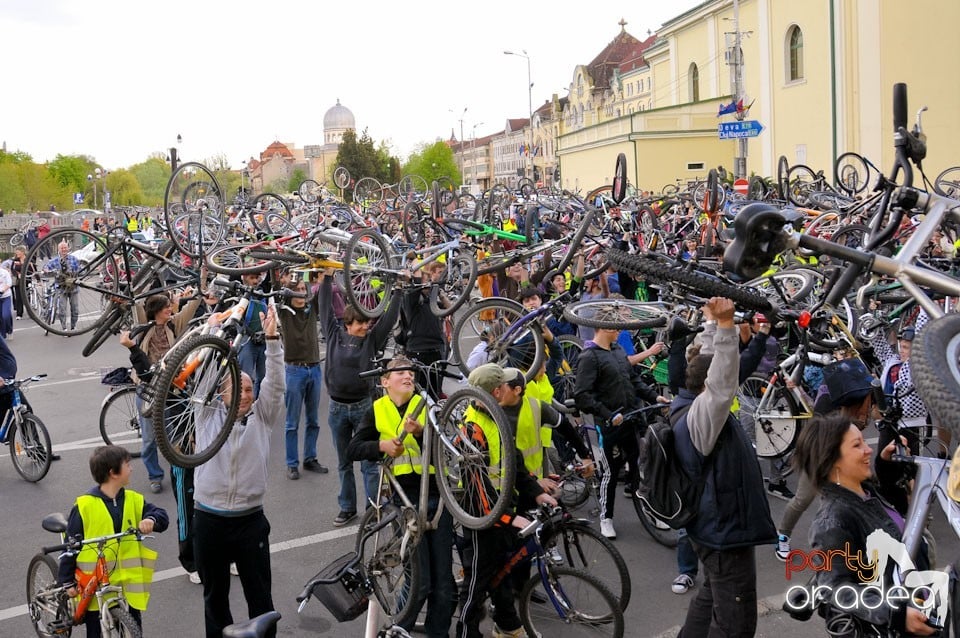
(131, 561)
(542, 389)
(390, 425)
(529, 437)
(489, 428)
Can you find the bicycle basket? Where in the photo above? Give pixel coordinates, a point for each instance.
(115, 376)
(343, 599)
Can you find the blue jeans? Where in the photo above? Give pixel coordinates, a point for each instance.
(303, 391)
(687, 561)
(344, 422)
(435, 555)
(253, 360)
(148, 450)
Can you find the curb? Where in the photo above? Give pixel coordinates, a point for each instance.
(765, 607)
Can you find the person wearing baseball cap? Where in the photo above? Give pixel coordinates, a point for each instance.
(485, 549)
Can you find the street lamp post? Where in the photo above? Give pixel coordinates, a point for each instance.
(529, 107)
(461, 139)
(174, 160)
(98, 174)
(90, 180)
(473, 153)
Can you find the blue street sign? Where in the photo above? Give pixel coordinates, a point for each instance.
(78, 198)
(735, 130)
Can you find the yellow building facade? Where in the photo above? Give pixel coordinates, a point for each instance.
(819, 75)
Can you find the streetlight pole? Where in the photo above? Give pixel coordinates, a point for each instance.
(461, 140)
(473, 153)
(174, 160)
(529, 107)
(91, 180)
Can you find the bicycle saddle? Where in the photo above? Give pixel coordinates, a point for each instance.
(253, 628)
(56, 523)
(758, 239)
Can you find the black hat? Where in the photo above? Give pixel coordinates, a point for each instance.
(848, 381)
(907, 334)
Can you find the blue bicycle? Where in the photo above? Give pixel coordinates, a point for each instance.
(26, 434)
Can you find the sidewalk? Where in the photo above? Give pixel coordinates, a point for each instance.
(773, 622)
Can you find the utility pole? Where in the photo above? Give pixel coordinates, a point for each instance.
(740, 160)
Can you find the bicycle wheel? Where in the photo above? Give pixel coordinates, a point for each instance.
(110, 323)
(341, 177)
(196, 400)
(783, 170)
(935, 363)
(617, 313)
(701, 283)
(475, 487)
(237, 260)
(368, 192)
(193, 207)
(120, 419)
(588, 607)
(46, 608)
(523, 348)
(948, 183)
(391, 563)
(72, 303)
(309, 191)
(412, 220)
(263, 206)
(801, 181)
(571, 346)
(851, 173)
(619, 187)
(584, 548)
(368, 281)
(659, 531)
(796, 285)
(30, 448)
(124, 624)
(586, 223)
(757, 189)
(769, 416)
(456, 286)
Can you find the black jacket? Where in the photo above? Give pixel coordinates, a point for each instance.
(608, 384)
(734, 511)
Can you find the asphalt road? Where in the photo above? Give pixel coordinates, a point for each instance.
(300, 512)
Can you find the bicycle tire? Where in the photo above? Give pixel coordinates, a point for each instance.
(585, 224)
(774, 433)
(457, 285)
(584, 548)
(757, 188)
(30, 448)
(16, 239)
(239, 259)
(412, 221)
(498, 261)
(935, 363)
(571, 346)
(309, 191)
(366, 285)
(851, 173)
(624, 314)
(948, 183)
(119, 418)
(264, 205)
(88, 282)
(698, 282)
(619, 188)
(367, 190)
(124, 622)
(502, 312)
(462, 464)
(796, 285)
(783, 170)
(660, 532)
(341, 177)
(800, 181)
(41, 578)
(198, 366)
(647, 219)
(192, 193)
(110, 322)
(385, 556)
(601, 615)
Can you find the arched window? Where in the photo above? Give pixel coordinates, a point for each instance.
(693, 76)
(794, 54)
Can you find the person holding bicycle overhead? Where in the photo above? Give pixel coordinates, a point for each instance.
(229, 525)
(110, 508)
(485, 550)
(390, 428)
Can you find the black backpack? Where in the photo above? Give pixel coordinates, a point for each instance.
(666, 491)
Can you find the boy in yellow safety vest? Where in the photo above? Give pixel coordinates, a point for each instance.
(393, 426)
(110, 508)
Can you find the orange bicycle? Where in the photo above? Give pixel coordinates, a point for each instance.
(53, 612)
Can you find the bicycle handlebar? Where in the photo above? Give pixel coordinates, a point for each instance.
(77, 543)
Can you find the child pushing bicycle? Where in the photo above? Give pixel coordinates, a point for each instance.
(110, 508)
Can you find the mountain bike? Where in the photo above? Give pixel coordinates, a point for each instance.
(53, 612)
(26, 434)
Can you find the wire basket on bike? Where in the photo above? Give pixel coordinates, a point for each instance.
(344, 599)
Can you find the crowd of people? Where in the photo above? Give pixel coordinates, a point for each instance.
(221, 523)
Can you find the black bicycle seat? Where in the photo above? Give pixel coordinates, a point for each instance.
(253, 628)
(758, 239)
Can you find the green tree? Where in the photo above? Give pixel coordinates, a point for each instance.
(70, 171)
(432, 162)
(297, 177)
(124, 188)
(12, 195)
(359, 157)
(152, 175)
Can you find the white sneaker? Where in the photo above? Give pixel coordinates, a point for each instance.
(233, 569)
(606, 528)
(682, 584)
(194, 577)
(783, 547)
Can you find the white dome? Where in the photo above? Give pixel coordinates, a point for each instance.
(338, 117)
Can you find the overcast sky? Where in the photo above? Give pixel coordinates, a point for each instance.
(119, 80)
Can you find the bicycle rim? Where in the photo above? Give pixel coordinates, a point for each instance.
(584, 548)
(367, 285)
(120, 420)
(590, 608)
(464, 467)
(768, 415)
(42, 604)
(195, 405)
(30, 448)
(391, 564)
(193, 203)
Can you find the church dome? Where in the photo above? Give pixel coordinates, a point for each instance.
(338, 117)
